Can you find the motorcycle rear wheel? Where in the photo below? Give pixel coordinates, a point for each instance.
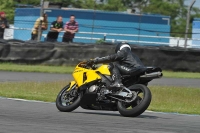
(141, 103)
(65, 102)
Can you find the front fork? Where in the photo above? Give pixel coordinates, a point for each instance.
(72, 85)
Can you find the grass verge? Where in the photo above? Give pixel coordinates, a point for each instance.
(69, 69)
(175, 99)
(165, 99)
(42, 91)
(35, 68)
(190, 75)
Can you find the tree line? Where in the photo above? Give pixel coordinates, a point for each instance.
(173, 8)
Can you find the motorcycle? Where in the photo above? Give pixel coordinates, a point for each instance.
(90, 90)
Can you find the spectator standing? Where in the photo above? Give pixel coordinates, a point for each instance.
(56, 27)
(44, 26)
(3, 24)
(71, 28)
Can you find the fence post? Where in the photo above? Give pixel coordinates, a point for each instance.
(40, 25)
(104, 37)
(178, 41)
(188, 22)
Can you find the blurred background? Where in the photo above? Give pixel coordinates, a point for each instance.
(141, 22)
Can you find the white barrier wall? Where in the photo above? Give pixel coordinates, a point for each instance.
(173, 41)
(179, 42)
(9, 33)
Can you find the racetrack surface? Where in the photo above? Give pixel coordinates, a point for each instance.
(36, 117)
(30, 76)
(41, 117)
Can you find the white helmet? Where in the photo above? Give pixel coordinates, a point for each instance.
(120, 46)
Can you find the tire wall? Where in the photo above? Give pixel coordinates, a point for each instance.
(168, 58)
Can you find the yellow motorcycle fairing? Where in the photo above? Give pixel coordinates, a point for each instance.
(72, 83)
(104, 69)
(83, 75)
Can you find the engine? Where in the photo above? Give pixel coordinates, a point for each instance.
(101, 91)
(93, 88)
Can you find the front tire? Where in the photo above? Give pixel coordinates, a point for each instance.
(63, 103)
(137, 107)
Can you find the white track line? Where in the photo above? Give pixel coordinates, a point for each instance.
(24, 100)
(147, 111)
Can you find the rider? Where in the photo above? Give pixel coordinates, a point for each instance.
(123, 62)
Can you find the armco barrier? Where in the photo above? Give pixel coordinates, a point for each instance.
(168, 58)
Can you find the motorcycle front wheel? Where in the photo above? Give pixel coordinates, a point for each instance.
(139, 105)
(68, 101)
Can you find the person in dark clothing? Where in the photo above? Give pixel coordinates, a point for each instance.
(56, 27)
(3, 24)
(123, 62)
(71, 28)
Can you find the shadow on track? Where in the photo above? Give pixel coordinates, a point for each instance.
(110, 114)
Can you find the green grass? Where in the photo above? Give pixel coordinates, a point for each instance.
(69, 69)
(42, 91)
(175, 99)
(170, 74)
(165, 99)
(35, 68)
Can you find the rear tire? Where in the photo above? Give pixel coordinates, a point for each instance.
(139, 105)
(67, 108)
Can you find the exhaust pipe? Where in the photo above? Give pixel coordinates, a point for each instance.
(152, 75)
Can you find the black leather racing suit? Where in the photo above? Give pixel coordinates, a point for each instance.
(125, 62)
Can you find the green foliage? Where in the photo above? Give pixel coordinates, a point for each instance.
(30, 2)
(177, 11)
(8, 7)
(135, 3)
(164, 8)
(111, 5)
(173, 8)
(100, 41)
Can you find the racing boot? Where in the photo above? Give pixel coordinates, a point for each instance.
(116, 76)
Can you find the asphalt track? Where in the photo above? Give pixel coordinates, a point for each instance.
(36, 117)
(40, 77)
(18, 116)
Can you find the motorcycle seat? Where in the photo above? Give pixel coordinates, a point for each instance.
(136, 73)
